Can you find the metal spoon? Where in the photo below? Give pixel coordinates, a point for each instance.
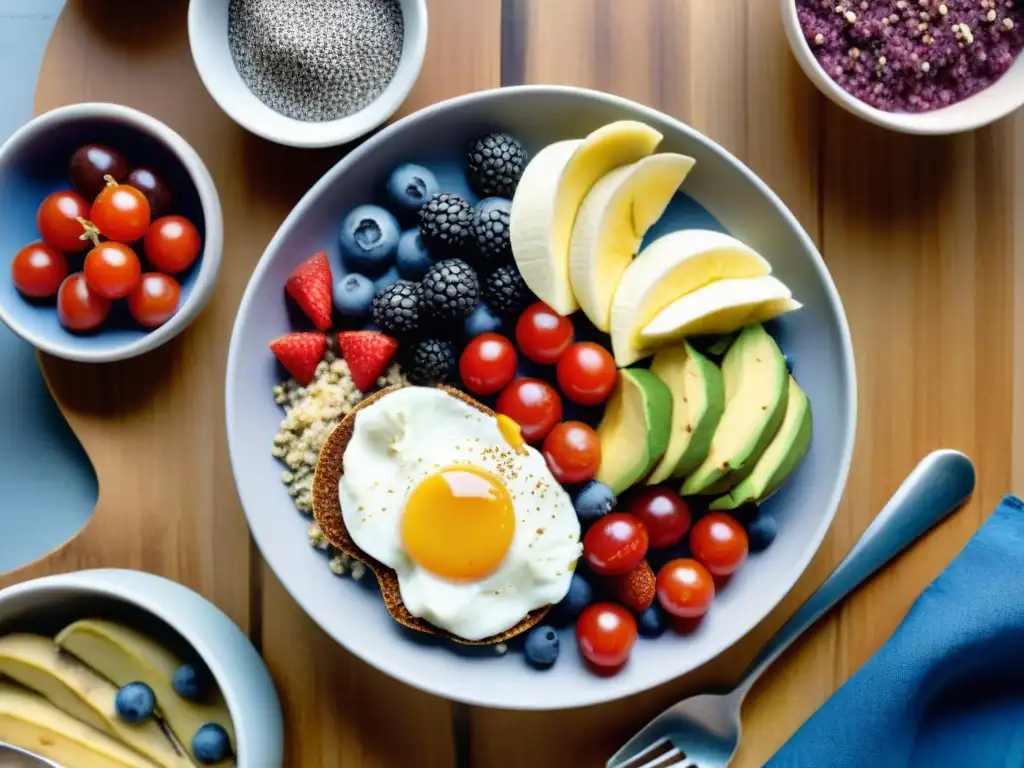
(15, 757)
(704, 731)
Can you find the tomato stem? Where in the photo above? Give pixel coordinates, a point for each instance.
(92, 232)
(111, 181)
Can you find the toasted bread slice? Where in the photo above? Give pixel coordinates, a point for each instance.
(327, 511)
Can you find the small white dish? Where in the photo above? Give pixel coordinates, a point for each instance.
(208, 37)
(998, 100)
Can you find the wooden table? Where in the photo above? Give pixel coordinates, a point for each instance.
(918, 233)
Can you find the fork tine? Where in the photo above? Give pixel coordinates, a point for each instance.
(672, 757)
(650, 756)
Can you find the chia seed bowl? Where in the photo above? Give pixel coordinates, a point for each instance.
(913, 66)
(308, 73)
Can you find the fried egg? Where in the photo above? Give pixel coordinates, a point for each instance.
(476, 528)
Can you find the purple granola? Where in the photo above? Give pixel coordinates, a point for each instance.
(913, 55)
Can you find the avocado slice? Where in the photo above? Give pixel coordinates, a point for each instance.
(756, 390)
(719, 345)
(698, 400)
(780, 459)
(635, 429)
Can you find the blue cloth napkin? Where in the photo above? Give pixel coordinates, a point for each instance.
(947, 689)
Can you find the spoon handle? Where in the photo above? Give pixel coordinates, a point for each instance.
(937, 486)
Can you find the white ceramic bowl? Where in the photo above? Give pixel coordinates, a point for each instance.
(208, 37)
(998, 100)
(34, 163)
(719, 191)
(172, 613)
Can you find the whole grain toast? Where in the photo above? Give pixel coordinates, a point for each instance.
(327, 511)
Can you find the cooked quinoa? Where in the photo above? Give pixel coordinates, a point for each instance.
(311, 414)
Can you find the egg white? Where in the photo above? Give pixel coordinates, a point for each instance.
(413, 432)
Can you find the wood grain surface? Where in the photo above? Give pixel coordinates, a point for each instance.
(917, 232)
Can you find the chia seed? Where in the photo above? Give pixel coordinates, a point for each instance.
(316, 60)
(913, 55)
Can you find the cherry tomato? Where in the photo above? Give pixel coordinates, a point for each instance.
(606, 633)
(120, 212)
(573, 452)
(90, 165)
(719, 541)
(586, 373)
(487, 364)
(153, 187)
(534, 405)
(615, 544)
(542, 334)
(685, 588)
(112, 269)
(155, 299)
(58, 221)
(664, 514)
(79, 307)
(172, 244)
(38, 270)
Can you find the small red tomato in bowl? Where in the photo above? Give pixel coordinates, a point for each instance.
(664, 513)
(79, 307)
(38, 270)
(58, 220)
(155, 299)
(488, 364)
(172, 244)
(685, 588)
(720, 543)
(542, 334)
(615, 544)
(120, 213)
(533, 404)
(112, 269)
(606, 634)
(586, 373)
(573, 452)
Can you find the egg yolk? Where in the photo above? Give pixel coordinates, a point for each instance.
(512, 432)
(458, 523)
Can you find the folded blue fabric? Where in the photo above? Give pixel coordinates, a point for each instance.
(947, 689)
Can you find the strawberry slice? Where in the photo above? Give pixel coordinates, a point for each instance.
(300, 353)
(310, 286)
(367, 354)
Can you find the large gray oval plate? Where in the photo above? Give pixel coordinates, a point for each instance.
(816, 337)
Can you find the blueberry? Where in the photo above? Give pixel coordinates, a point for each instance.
(593, 501)
(410, 186)
(134, 703)
(388, 278)
(482, 320)
(542, 647)
(211, 744)
(191, 681)
(652, 622)
(576, 599)
(413, 258)
(761, 531)
(353, 295)
(369, 237)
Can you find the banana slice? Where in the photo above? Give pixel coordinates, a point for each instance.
(549, 196)
(29, 721)
(38, 664)
(611, 224)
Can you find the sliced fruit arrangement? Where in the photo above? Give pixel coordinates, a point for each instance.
(109, 238)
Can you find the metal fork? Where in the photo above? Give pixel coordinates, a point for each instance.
(704, 731)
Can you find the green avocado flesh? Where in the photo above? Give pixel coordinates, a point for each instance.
(756, 392)
(635, 429)
(698, 400)
(780, 459)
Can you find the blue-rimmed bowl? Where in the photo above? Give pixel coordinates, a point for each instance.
(34, 163)
(719, 192)
(174, 616)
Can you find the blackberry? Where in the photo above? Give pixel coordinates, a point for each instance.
(444, 222)
(506, 293)
(490, 230)
(451, 289)
(431, 361)
(396, 308)
(496, 163)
